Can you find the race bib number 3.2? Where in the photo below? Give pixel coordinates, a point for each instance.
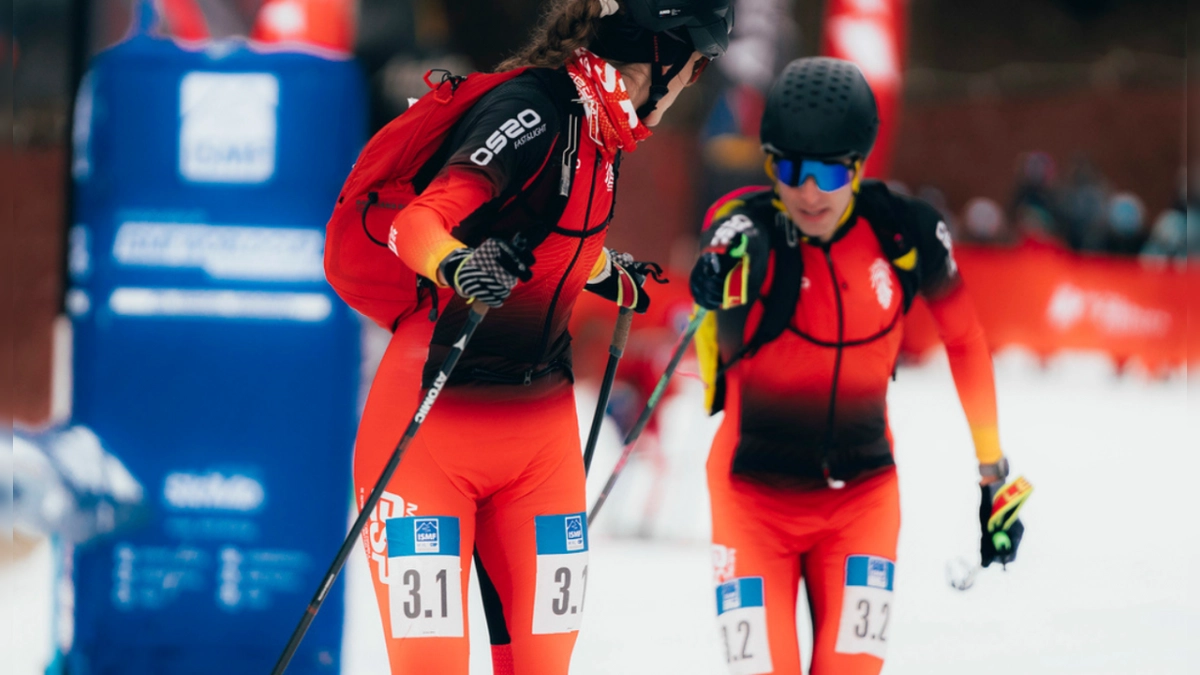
(866, 606)
(742, 620)
(562, 568)
(424, 584)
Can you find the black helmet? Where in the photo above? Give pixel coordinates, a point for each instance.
(664, 33)
(707, 22)
(820, 108)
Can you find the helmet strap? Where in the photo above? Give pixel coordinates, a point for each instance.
(660, 81)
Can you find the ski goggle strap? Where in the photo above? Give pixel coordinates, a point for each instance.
(829, 176)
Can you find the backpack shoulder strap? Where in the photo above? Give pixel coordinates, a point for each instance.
(779, 305)
(895, 229)
(401, 148)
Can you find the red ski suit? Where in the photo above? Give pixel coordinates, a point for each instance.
(800, 473)
(497, 464)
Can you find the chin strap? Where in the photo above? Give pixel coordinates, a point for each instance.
(659, 80)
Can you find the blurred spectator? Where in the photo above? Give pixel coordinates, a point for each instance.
(1083, 207)
(937, 199)
(1125, 232)
(984, 223)
(732, 150)
(1193, 229)
(1034, 205)
(1169, 238)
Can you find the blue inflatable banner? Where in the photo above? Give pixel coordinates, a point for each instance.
(210, 354)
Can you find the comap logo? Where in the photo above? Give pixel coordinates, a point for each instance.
(213, 491)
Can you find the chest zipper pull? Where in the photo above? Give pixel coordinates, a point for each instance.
(829, 479)
(528, 377)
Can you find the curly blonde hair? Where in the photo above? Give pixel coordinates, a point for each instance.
(566, 26)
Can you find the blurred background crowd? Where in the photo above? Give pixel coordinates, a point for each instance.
(1056, 121)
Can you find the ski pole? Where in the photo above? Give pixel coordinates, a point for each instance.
(651, 404)
(639, 271)
(491, 604)
(478, 311)
(615, 350)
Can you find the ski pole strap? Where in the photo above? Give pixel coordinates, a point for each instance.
(478, 311)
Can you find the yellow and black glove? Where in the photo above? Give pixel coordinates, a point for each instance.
(1000, 528)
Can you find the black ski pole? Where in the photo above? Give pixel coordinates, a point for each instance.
(651, 404)
(478, 311)
(639, 271)
(615, 350)
(492, 609)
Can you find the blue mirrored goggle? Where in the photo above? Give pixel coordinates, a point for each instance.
(829, 176)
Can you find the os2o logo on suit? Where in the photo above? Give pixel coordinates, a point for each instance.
(525, 120)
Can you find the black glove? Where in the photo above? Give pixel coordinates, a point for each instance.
(713, 269)
(623, 281)
(1000, 529)
(488, 273)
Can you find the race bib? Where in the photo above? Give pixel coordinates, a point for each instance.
(866, 606)
(742, 620)
(562, 568)
(424, 582)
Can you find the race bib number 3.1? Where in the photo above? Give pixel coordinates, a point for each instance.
(424, 583)
(866, 606)
(562, 568)
(742, 620)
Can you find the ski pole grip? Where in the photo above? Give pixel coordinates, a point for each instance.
(621, 332)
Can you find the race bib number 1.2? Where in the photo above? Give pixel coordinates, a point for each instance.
(866, 606)
(424, 584)
(742, 620)
(562, 568)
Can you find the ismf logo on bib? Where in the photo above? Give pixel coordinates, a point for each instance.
(424, 584)
(562, 568)
(866, 606)
(742, 618)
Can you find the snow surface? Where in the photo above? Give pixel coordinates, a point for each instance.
(1105, 581)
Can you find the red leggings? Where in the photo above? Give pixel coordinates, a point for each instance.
(841, 542)
(497, 468)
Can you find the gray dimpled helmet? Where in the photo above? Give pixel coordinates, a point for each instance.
(820, 108)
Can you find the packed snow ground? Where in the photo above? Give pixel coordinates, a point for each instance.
(1105, 581)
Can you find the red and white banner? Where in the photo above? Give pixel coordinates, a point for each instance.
(1048, 300)
(873, 34)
